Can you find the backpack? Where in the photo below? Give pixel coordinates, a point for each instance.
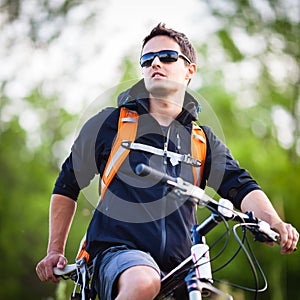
(127, 129)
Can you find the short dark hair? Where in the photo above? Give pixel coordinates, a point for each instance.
(180, 38)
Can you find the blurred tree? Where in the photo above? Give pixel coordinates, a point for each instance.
(27, 175)
(255, 93)
(261, 42)
(250, 70)
(40, 14)
(33, 134)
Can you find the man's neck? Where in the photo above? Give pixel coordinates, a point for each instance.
(167, 109)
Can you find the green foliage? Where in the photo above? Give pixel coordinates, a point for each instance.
(229, 45)
(30, 157)
(47, 12)
(24, 185)
(26, 180)
(251, 131)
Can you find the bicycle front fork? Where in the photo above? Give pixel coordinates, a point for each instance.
(199, 281)
(201, 273)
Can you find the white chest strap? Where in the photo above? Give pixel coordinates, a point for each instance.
(175, 158)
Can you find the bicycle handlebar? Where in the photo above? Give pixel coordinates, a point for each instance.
(144, 170)
(261, 229)
(67, 270)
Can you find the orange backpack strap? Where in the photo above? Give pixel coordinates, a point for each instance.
(82, 253)
(127, 128)
(198, 145)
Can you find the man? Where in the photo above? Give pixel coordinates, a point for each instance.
(139, 228)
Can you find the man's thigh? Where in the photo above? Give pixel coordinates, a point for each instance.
(113, 263)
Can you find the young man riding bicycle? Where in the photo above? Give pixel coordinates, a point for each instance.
(139, 230)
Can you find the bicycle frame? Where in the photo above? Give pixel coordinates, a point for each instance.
(195, 270)
(199, 276)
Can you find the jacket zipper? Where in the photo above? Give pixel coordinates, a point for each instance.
(163, 219)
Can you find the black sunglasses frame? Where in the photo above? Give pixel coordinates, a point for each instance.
(165, 56)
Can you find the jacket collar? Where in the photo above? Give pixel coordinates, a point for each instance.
(136, 98)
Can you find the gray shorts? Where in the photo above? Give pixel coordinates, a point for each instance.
(109, 266)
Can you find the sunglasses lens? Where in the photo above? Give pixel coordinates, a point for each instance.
(168, 56)
(147, 59)
(165, 56)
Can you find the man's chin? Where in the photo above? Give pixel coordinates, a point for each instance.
(159, 92)
(163, 88)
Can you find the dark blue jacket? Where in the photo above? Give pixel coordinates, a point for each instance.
(136, 211)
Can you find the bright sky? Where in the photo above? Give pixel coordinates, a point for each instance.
(84, 61)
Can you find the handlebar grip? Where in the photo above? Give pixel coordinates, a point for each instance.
(265, 229)
(67, 270)
(144, 170)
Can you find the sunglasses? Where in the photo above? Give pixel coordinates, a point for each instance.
(165, 56)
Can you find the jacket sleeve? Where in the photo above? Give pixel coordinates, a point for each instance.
(81, 166)
(223, 173)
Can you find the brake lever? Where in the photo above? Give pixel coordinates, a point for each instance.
(262, 230)
(181, 187)
(268, 233)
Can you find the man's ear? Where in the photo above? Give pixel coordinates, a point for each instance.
(191, 70)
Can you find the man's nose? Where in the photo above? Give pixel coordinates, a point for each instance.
(156, 61)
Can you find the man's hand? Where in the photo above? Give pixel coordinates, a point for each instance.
(44, 268)
(62, 210)
(258, 202)
(289, 237)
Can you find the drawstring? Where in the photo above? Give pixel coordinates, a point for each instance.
(166, 146)
(178, 141)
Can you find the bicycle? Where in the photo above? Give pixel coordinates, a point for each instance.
(195, 271)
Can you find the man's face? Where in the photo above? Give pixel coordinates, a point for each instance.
(162, 79)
